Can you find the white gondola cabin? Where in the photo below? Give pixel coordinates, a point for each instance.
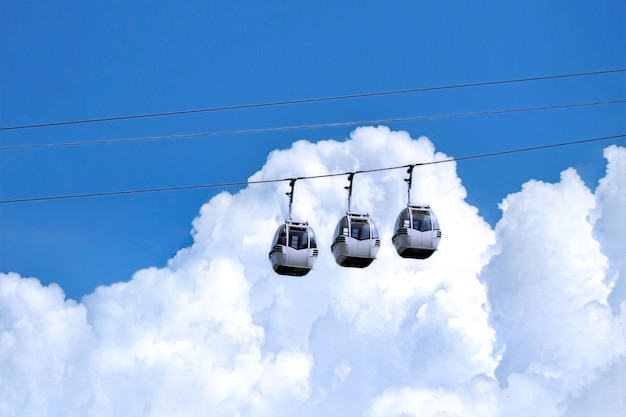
(356, 241)
(294, 249)
(417, 233)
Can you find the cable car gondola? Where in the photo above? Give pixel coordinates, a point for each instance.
(294, 249)
(356, 241)
(417, 233)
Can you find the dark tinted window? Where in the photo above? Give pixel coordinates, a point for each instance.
(403, 219)
(435, 222)
(280, 238)
(313, 243)
(298, 238)
(421, 221)
(373, 230)
(360, 230)
(342, 227)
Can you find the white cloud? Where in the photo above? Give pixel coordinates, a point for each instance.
(548, 298)
(523, 320)
(610, 226)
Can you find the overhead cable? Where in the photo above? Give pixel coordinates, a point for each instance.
(304, 127)
(309, 177)
(312, 100)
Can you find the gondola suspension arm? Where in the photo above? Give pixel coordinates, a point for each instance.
(409, 181)
(349, 188)
(292, 184)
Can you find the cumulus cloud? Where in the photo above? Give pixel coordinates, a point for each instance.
(547, 291)
(526, 319)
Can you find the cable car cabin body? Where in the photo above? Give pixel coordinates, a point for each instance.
(356, 241)
(294, 249)
(417, 232)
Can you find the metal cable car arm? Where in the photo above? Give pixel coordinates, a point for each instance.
(349, 188)
(410, 180)
(292, 184)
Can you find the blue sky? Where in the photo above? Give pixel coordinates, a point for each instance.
(71, 60)
(77, 60)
